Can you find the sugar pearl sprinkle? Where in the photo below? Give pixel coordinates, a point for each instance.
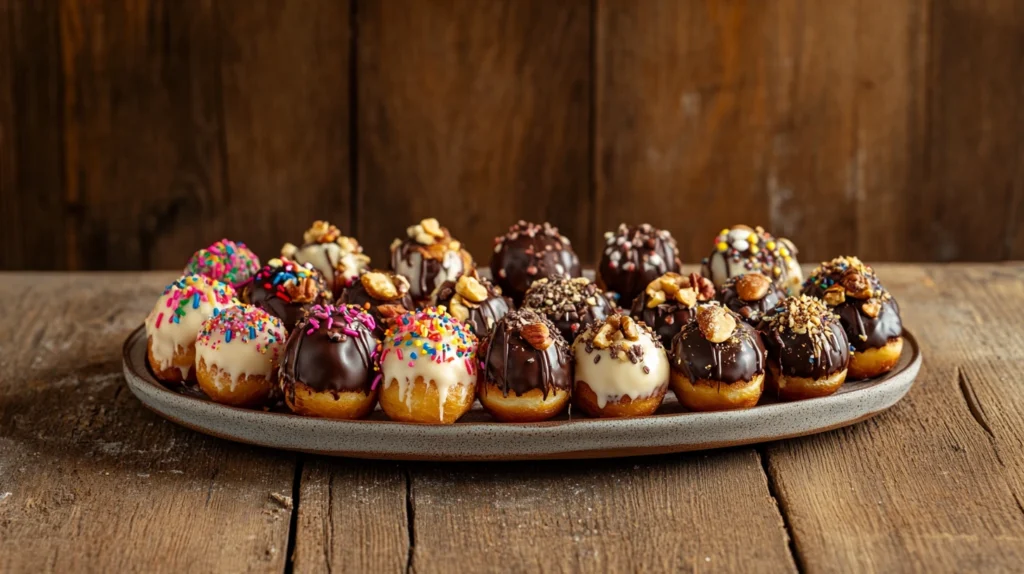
(627, 243)
(430, 334)
(757, 249)
(225, 261)
(244, 324)
(191, 291)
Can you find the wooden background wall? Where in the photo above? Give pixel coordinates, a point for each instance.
(135, 131)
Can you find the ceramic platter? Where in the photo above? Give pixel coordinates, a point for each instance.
(477, 437)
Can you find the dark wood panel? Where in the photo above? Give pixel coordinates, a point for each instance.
(476, 113)
(970, 208)
(33, 218)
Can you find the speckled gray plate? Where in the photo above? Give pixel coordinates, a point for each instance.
(476, 437)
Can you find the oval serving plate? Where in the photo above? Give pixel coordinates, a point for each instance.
(477, 437)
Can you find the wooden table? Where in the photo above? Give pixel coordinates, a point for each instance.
(90, 480)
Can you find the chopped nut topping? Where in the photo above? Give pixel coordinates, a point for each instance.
(304, 291)
(602, 340)
(715, 322)
(871, 308)
(321, 232)
(381, 285)
(537, 335)
(856, 284)
(426, 232)
(458, 308)
(752, 286)
(686, 290)
(629, 329)
(288, 250)
(471, 289)
(432, 227)
(835, 295)
(391, 311)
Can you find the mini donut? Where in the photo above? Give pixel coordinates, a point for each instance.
(174, 322)
(226, 261)
(428, 257)
(525, 368)
(750, 295)
(669, 303)
(633, 257)
(286, 289)
(622, 369)
(338, 258)
(475, 301)
(428, 368)
(868, 312)
(808, 352)
(329, 368)
(237, 355)
(741, 249)
(718, 361)
(528, 252)
(571, 304)
(382, 294)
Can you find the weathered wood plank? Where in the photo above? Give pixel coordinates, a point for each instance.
(352, 517)
(674, 513)
(971, 207)
(921, 485)
(476, 113)
(89, 479)
(33, 217)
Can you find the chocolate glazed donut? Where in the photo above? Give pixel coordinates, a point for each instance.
(333, 357)
(528, 252)
(635, 256)
(515, 365)
(428, 257)
(739, 360)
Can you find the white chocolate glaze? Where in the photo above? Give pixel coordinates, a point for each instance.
(241, 341)
(179, 313)
(338, 265)
(443, 376)
(612, 378)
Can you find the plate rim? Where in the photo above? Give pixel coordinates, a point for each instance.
(148, 390)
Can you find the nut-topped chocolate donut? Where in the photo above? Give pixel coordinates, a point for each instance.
(633, 257)
(868, 312)
(808, 352)
(718, 361)
(286, 289)
(475, 301)
(528, 252)
(382, 294)
(329, 364)
(621, 369)
(668, 303)
(526, 368)
(339, 258)
(571, 304)
(751, 295)
(428, 257)
(741, 249)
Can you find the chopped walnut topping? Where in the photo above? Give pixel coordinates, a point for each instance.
(856, 284)
(688, 290)
(835, 296)
(384, 286)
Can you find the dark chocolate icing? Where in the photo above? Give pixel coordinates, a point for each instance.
(753, 250)
(749, 311)
(514, 365)
(482, 316)
(805, 349)
(357, 295)
(633, 257)
(665, 319)
(427, 276)
(333, 355)
(571, 304)
(276, 286)
(739, 358)
(529, 252)
(863, 331)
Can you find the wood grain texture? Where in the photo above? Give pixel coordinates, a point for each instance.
(352, 517)
(658, 514)
(976, 133)
(33, 217)
(921, 486)
(476, 113)
(92, 482)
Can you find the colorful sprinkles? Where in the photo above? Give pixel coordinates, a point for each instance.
(829, 272)
(281, 276)
(430, 334)
(245, 324)
(226, 261)
(190, 292)
(757, 249)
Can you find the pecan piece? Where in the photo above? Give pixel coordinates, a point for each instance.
(537, 335)
(856, 284)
